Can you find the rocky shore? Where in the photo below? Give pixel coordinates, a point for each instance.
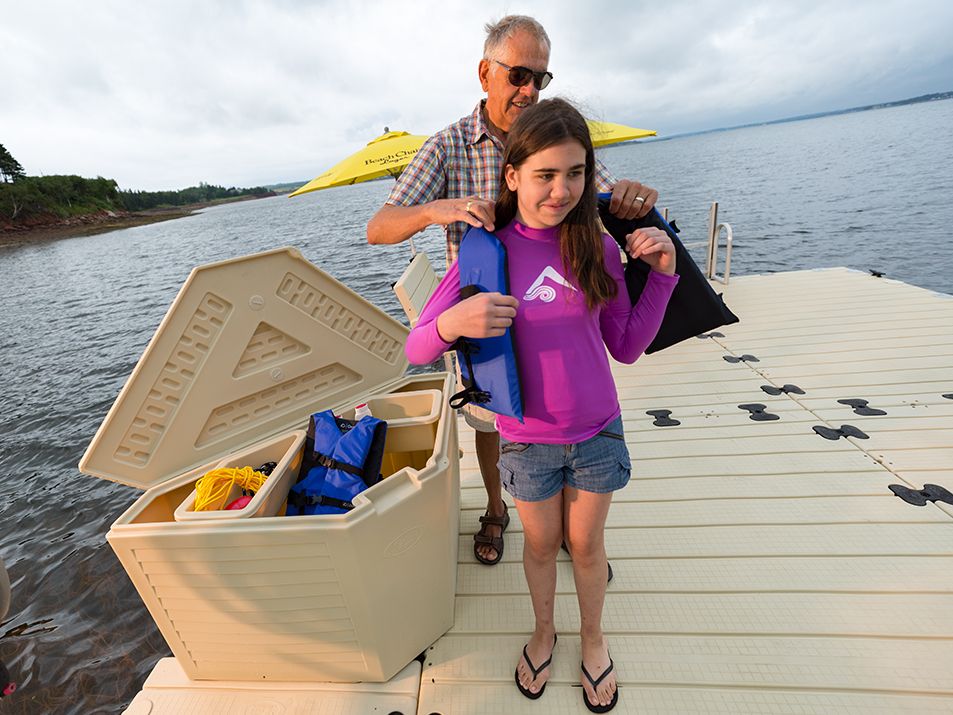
(99, 222)
(87, 225)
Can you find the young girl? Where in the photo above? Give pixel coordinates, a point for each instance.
(563, 462)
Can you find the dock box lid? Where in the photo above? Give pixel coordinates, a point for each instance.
(250, 348)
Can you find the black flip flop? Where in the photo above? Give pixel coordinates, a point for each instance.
(595, 685)
(536, 671)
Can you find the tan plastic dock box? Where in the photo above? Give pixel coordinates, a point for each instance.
(249, 350)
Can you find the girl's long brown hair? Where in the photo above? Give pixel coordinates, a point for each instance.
(551, 122)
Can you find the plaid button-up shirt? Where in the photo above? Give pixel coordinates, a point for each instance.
(462, 160)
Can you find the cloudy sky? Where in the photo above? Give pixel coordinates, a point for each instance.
(164, 95)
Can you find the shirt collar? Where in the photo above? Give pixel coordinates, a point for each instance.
(478, 129)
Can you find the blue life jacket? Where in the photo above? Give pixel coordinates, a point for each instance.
(342, 459)
(487, 365)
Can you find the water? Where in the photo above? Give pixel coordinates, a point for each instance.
(869, 191)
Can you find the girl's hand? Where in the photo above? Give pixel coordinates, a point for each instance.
(653, 246)
(484, 315)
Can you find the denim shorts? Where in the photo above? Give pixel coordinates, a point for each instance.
(536, 472)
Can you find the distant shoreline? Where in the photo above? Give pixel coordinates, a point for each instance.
(936, 96)
(103, 222)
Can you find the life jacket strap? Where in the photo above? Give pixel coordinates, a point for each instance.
(470, 392)
(300, 501)
(468, 395)
(324, 460)
(466, 346)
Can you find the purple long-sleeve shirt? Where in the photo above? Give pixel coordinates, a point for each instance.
(568, 391)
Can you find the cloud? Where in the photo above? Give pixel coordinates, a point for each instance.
(703, 64)
(247, 92)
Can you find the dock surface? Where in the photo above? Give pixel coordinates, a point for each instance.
(759, 566)
(762, 564)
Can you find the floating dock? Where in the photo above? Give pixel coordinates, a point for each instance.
(762, 562)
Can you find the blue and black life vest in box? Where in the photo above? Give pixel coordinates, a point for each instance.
(694, 307)
(342, 458)
(487, 365)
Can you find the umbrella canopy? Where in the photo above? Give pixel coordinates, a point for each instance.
(386, 155)
(603, 133)
(391, 152)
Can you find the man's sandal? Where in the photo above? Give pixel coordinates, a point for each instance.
(495, 542)
(536, 671)
(595, 685)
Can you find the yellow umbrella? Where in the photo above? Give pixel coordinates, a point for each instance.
(603, 133)
(388, 154)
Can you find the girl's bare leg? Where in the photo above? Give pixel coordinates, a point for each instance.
(584, 521)
(543, 535)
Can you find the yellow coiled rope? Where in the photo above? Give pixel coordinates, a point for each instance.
(212, 490)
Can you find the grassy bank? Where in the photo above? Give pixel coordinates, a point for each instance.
(37, 208)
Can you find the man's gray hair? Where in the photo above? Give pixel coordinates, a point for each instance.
(499, 33)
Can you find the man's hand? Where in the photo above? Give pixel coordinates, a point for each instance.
(630, 199)
(473, 210)
(393, 224)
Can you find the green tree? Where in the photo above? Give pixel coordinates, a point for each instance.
(10, 169)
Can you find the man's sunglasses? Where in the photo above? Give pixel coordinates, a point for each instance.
(521, 76)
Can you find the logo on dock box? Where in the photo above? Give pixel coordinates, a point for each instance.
(405, 542)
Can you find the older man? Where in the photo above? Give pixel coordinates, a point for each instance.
(453, 182)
